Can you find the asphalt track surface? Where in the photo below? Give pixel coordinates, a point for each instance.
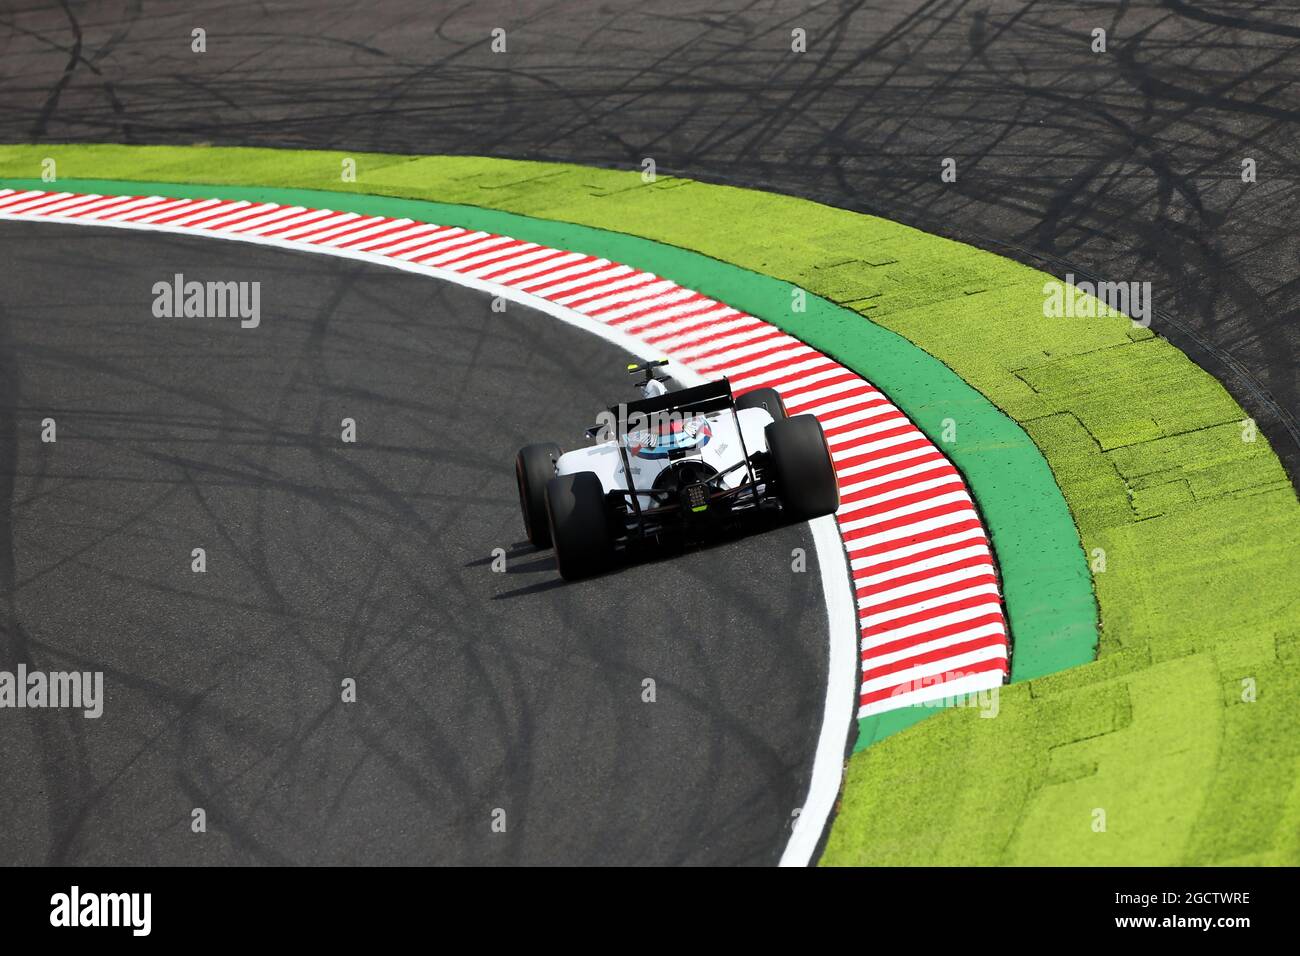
(476, 690)
(1124, 166)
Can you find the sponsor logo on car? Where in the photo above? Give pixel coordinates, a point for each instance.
(674, 435)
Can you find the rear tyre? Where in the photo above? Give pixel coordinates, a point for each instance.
(802, 468)
(766, 398)
(579, 524)
(534, 467)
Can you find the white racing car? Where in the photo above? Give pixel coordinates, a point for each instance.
(675, 464)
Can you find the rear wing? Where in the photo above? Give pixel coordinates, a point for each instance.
(709, 397)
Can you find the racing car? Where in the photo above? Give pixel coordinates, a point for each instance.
(678, 463)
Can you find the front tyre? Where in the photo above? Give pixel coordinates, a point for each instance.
(579, 524)
(802, 468)
(534, 467)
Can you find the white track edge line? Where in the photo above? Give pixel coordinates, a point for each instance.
(841, 695)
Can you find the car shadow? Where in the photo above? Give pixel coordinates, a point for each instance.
(519, 549)
(549, 584)
(546, 561)
(647, 553)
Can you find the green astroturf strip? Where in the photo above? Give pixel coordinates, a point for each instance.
(1183, 732)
